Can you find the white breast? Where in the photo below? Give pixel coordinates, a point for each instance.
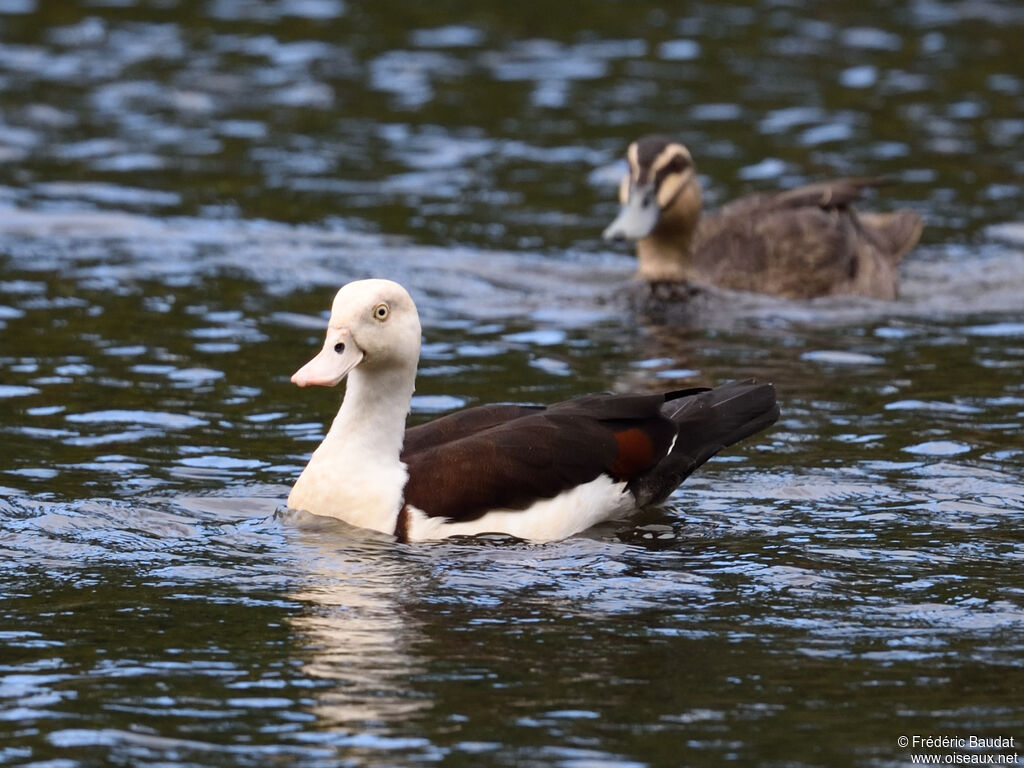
(365, 496)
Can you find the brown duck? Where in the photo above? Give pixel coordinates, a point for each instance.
(801, 243)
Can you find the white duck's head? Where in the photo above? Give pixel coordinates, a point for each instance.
(373, 325)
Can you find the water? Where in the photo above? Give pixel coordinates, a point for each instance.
(184, 186)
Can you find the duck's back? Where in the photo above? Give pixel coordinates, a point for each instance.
(805, 242)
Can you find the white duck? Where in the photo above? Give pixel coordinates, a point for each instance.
(535, 472)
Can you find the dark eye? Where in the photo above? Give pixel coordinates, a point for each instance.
(381, 312)
(678, 163)
(339, 347)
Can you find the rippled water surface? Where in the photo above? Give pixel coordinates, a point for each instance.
(184, 185)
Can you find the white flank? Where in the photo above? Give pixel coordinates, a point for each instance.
(568, 513)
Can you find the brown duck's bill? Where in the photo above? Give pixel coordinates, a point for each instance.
(637, 218)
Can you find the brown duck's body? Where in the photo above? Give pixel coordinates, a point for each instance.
(800, 243)
(807, 242)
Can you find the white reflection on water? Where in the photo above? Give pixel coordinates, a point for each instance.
(354, 630)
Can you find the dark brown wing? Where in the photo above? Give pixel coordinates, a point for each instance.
(462, 424)
(539, 455)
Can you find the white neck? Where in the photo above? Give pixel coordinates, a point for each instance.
(356, 473)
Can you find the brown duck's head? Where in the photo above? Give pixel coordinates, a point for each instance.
(660, 194)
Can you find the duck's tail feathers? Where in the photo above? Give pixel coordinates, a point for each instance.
(707, 421)
(896, 232)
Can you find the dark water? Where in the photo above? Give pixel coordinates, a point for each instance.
(184, 185)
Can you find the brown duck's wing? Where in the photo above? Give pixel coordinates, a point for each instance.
(806, 242)
(890, 235)
(539, 455)
(792, 252)
(835, 193)
(461, 424)
(826, 195)
(894, 234)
